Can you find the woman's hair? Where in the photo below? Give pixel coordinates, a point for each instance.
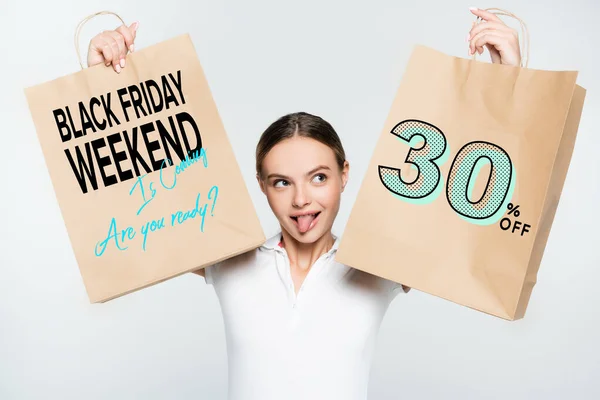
(299, 124)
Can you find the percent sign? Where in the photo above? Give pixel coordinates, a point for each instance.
(505, 223)
(515, 211)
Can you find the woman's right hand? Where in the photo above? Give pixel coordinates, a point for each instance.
(110, 47)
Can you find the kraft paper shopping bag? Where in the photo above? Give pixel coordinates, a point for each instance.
(143, 170)
(462, 187)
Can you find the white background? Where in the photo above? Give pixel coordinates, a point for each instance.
(342, 60)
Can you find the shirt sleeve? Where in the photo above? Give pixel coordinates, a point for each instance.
(207, 274)
(210, 273)
(399, 288)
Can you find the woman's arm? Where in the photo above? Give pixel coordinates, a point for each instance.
(501, 41)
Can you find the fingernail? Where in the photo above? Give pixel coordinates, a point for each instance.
(131, 48)
(122, 62)
(473, 8)
(118, 68)
(107, 64)
(468, 36)
(135, 26)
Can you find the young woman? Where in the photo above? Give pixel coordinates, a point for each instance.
(298, 324)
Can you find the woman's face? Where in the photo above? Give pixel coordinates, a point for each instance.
(303, 185)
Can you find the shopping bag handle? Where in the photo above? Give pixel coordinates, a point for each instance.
(80, 25)
(524, 31)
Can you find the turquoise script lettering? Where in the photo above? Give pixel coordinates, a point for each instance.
(141, 185)
(180, 217)
(151, 227)
(182, 166)
(113, 234)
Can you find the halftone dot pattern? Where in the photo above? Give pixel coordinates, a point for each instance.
(461, 173)
(429, 174)
(391, 177)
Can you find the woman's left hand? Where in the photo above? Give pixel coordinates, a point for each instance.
(501, 41)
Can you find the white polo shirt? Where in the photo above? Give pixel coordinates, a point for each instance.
(317, 345)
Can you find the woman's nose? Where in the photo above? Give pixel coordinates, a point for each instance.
(301, 197)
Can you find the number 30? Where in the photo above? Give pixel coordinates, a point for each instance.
(463, 172)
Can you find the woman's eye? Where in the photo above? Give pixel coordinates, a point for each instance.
(280, 183)
(320, 178)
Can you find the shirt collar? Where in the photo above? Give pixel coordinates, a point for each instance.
(272, 243)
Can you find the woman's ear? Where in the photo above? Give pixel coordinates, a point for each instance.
(261, 184)
(345, 174)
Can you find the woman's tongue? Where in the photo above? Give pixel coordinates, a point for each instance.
(304, 222)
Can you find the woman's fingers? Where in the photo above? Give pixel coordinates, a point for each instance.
(501, 40)
(494, 54)
(104, 49)
(116, 50)
(491, 27)
(128, 34)
(503, 43)
(119, 40)
(485, 15)
(488, 25)
(474, 44)
(110, 47)
(107, 50)
(97, 51)
(491, 37)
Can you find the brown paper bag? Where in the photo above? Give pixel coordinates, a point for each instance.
(143, 171)
(462, 188)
